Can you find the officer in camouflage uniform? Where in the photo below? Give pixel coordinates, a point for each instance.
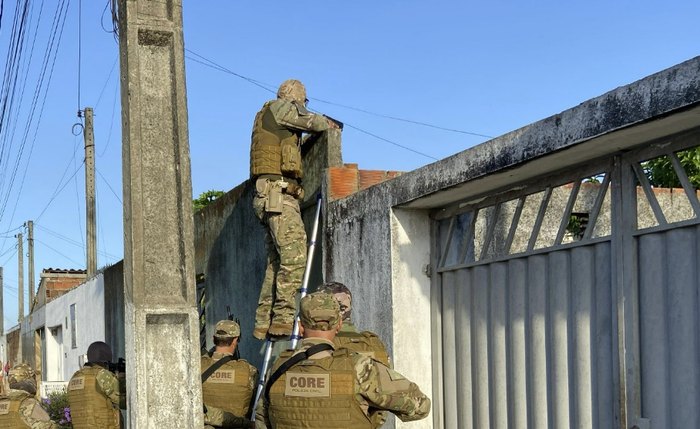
(18, 406)
(95, 394)
(333, 389)
(276, 170)
(227, 390)
(365, 342)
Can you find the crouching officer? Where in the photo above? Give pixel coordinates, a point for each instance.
(321, 387)
(349, 337)
(227, 384)
(94, 392)
(19, 407)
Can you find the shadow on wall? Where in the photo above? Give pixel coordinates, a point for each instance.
(230, 243)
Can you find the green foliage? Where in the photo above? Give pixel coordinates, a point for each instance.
(58, 408)
(661, 174)
(206, 198)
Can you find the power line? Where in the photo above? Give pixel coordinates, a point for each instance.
(69, 240)
(109, 186)
(109, 76)
(209, 63)
(58, 190)
(59, 253)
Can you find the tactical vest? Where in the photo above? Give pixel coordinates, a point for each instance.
(366, 343)
(9, 410)
(229, 387)
(317, 394)
(88, 407)
(274, 148)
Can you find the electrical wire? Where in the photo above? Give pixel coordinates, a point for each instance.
(59, 253)
(58, 190)
(40, 92)
(109, 186)
(111, 123)
(80, 48)
(109, 76)
(68, 240)
(209, 63)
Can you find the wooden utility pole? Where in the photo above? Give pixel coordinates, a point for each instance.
(161, 318)
(90, 229)
(30, 248)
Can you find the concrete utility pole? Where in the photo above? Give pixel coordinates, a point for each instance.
(159, 279)
(91, 238)
(20, 292)
(2, 308)
(20, 277)
(30, 246)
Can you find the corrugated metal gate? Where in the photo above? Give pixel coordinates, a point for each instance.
(572, 301)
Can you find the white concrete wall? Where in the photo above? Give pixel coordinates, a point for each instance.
(90, 326)
(410, 289)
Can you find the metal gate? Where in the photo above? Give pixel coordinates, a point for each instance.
(572, 301)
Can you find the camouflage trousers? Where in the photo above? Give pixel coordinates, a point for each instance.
(285, 239)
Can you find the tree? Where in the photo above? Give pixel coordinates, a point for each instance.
(661, 174)
(206, 198)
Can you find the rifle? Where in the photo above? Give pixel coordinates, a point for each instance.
(229, 316)
(117, 367)
(335, 121)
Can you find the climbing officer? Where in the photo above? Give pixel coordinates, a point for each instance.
(19, 407)
(276, 170)
(227, 383)
(95, 394)
(317, 386)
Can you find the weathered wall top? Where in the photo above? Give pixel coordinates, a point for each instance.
(607, 118)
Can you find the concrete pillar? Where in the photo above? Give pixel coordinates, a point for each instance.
(2, 308)
(162, 335)
(90, 217)
(30, 249)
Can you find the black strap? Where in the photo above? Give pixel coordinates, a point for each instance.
(216, 365)
(318, 348)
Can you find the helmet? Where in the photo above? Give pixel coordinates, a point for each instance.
(292, 90)
(99, 352)
(20, 372)
(342, 294)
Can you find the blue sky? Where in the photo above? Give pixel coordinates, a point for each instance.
(484, 68)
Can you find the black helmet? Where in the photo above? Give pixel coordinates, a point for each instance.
(99, 351)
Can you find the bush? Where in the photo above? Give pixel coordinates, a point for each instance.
(59, 410)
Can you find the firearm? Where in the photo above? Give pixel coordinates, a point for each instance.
(229, 316)
(335, 121)
(118, 366)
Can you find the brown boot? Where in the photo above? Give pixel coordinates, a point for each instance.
(260, 332)
(280, 329)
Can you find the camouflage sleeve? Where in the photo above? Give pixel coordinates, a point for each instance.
(222, 419)
(34, 416)
(253, 379)
(386, 389)
(262, 420)
(292, 116)
(108, 385)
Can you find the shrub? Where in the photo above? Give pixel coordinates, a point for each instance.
(59, 410)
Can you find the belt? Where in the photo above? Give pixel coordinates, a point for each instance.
(277, 177)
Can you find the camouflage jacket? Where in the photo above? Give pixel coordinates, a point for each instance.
(218, 418)
(293, 116)
(376, 387)
(112, 387)
(30, 411)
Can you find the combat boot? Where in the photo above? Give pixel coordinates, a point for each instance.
(281, 329)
